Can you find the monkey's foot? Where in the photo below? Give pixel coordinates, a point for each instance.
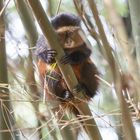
(67, 96)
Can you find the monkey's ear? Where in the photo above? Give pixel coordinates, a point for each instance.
(65, 19)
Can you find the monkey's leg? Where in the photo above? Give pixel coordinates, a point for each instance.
(57, 86)
(88, 78)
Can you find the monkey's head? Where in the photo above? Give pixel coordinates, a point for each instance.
(67, 26)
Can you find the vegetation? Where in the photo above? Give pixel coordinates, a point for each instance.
(112, 30)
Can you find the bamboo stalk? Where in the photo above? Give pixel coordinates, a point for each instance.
(120, 33)
(6, 118)
(27, 19)
(28, 22)
(135, 16)
(127, 123)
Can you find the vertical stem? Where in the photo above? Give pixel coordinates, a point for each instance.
(32, 35)
(127, 123)
(28, 21)
(6, 119)
(135, 16)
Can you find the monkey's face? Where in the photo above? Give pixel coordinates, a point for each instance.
(69, 36)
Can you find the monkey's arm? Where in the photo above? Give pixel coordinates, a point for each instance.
(44, 52)
(57, 86)
(76, 55)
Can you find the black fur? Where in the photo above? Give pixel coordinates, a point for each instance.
(65, 19)
(76, 55)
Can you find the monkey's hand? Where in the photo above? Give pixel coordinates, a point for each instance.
(73, 58)
(70, 59)
(80, 88)
(48, 56)
(66, 59)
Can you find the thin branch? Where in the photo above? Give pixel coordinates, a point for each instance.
(58, 8)
(127, 123)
